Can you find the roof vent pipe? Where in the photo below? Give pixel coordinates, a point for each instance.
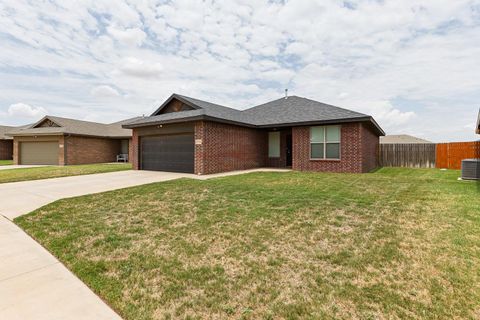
(286, 93)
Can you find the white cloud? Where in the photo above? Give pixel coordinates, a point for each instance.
(389, 116)
(368, 57)
(104, 91)
(298, 48)
(24, 110)
(141, 69)
(129, 36)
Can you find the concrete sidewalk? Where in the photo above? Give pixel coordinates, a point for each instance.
(33, 283)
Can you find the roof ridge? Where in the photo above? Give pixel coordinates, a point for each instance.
(204, 101)
(77, 120)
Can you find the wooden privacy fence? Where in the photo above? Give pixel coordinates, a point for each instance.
(413, 155)
(450, 155)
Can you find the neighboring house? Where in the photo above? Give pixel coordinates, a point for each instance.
(191, 135)
(401, 138)
(6, 144)
(63, 141)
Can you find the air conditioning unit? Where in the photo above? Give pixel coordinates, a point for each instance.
(471, 169)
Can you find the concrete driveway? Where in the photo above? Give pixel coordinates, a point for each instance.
(20, 166)
(19, 198)
(33, 283)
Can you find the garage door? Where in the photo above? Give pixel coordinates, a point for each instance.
(174, 153)
(39, 152)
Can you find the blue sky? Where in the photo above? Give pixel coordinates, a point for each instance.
(413, 65)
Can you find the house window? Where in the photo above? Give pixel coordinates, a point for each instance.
(325, 142)
(274, 144)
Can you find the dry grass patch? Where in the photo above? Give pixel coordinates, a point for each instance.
(393, 244)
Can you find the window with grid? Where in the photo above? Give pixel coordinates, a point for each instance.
(325, 142)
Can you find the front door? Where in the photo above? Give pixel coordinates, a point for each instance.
(289, 150)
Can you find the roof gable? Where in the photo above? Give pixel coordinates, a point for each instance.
(175, 103)
(175, 106)
(47, 123)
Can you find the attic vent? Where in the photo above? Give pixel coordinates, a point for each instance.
(47, 123)
(471, 169)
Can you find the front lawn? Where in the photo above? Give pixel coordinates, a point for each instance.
(6, 162)
(397, 243)
(35, 173)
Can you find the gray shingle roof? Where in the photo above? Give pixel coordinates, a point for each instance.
(73, 126)
(3, 131)
(297, 109)
(401, 138)
(281, 112)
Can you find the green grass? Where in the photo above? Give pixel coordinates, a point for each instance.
(397, 243)
(6, 162)
(24, 174)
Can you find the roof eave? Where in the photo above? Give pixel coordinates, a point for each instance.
(27, 134)
(98, 136)
(243, 124)
(187, 119)
(330, 121)
(154, 123)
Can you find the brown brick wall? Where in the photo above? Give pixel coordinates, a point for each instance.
(6, 149)
(370, 148)
(84, 150)
(227, 147)
(350, 151)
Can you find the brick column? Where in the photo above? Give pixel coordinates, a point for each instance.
(199, 147)
(16, 146)
(62, 149)
(133, 155)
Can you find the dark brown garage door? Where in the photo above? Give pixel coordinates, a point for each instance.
(174, 153)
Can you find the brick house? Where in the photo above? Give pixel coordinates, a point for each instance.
(6, 143)
(63, 141)
(190, 135)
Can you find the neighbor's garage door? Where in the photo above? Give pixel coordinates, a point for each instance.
(173, 153)
(39, 152)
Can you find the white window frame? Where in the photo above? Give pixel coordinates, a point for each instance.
(325, 142)
(270, 134)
